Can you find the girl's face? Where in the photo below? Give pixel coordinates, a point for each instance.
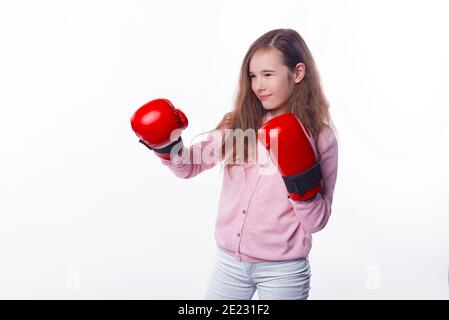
(271, 81)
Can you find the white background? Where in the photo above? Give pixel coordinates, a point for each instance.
(88, 212)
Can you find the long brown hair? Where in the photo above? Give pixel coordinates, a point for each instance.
(308, 101)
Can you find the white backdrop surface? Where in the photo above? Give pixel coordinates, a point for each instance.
(88, 212)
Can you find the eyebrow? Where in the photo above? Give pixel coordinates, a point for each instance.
(265, 71)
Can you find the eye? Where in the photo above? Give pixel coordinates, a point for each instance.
(266, 74)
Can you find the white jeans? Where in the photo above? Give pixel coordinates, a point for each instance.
(278, 280)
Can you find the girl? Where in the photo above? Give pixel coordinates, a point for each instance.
(263, 235)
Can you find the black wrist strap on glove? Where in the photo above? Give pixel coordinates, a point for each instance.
(165, 149)
(303, 182)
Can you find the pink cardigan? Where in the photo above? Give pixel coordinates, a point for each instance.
(256, 219)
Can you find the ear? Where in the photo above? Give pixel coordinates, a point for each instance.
(300, 72)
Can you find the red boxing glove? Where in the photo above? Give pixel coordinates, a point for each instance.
(158, 125)
(295, 157)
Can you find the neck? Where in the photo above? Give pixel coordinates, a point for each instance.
(277, 112)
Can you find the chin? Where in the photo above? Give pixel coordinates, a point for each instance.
(269, 107)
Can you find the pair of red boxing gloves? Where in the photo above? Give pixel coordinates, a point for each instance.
(159, 124)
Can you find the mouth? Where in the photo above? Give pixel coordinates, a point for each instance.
(264, 97)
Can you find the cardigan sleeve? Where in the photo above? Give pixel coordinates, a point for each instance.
(197, 158)
(314, 214)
